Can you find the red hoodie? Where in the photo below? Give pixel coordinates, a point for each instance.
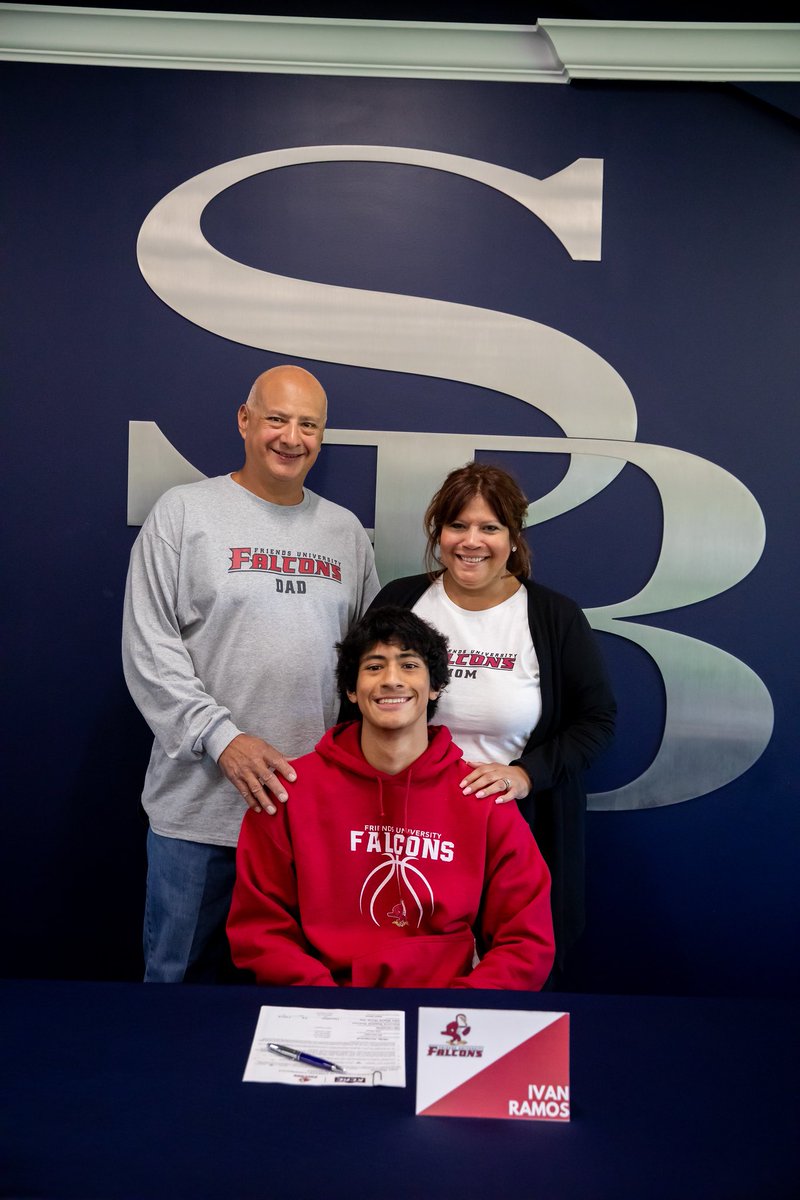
(377, 880)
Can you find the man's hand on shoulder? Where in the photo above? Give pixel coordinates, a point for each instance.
(255, 769)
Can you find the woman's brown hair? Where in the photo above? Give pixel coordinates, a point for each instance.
(503, 495)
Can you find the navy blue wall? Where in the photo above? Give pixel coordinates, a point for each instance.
(694, 303)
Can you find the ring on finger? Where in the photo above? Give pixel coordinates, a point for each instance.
(507, 783)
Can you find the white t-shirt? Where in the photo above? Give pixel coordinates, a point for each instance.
(493, 700)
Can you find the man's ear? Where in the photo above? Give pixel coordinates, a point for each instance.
(242, 418)
(433, 695)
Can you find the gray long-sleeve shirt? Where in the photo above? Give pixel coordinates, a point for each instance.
(232, 610)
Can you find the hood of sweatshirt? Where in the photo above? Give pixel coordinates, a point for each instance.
(342, 745)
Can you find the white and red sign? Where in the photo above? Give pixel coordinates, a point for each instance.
(488, 1063)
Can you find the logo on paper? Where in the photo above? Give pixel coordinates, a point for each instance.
(456, 1046)
(457, 1030)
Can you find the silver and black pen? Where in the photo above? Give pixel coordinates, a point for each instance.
(310, 1060)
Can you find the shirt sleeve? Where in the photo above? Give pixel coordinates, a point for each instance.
(186, 721)
(370, 584)
(587, 706)
(264, 923)
(515, 923)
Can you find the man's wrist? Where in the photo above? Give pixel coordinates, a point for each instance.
(220, 738)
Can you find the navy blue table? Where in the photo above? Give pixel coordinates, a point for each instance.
(130, 1091)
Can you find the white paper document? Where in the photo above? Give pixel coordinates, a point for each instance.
(367, 1047)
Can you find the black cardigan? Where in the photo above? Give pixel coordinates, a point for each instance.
(577, 722)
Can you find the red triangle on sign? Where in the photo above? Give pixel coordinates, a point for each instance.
(542, 1060)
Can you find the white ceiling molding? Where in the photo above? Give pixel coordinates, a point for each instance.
(658, 50)
(294, 45)
(553, 51)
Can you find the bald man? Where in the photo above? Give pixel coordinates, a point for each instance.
(238, 589)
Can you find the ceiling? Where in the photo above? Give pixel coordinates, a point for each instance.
(498, 12)
(506, 41)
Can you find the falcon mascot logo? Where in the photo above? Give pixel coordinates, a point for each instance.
(457, 1030)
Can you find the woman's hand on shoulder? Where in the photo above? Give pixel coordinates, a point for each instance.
(500, 780)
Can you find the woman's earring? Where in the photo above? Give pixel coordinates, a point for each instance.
(513, 549)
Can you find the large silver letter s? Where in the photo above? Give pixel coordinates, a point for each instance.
(718, 712)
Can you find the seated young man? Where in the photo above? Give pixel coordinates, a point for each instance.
(379, 871)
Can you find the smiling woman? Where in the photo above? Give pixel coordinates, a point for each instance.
(528, 701)
(474, 549)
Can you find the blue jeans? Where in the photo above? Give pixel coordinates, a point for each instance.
(189, 886)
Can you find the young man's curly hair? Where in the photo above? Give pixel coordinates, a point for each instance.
(396, 627)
